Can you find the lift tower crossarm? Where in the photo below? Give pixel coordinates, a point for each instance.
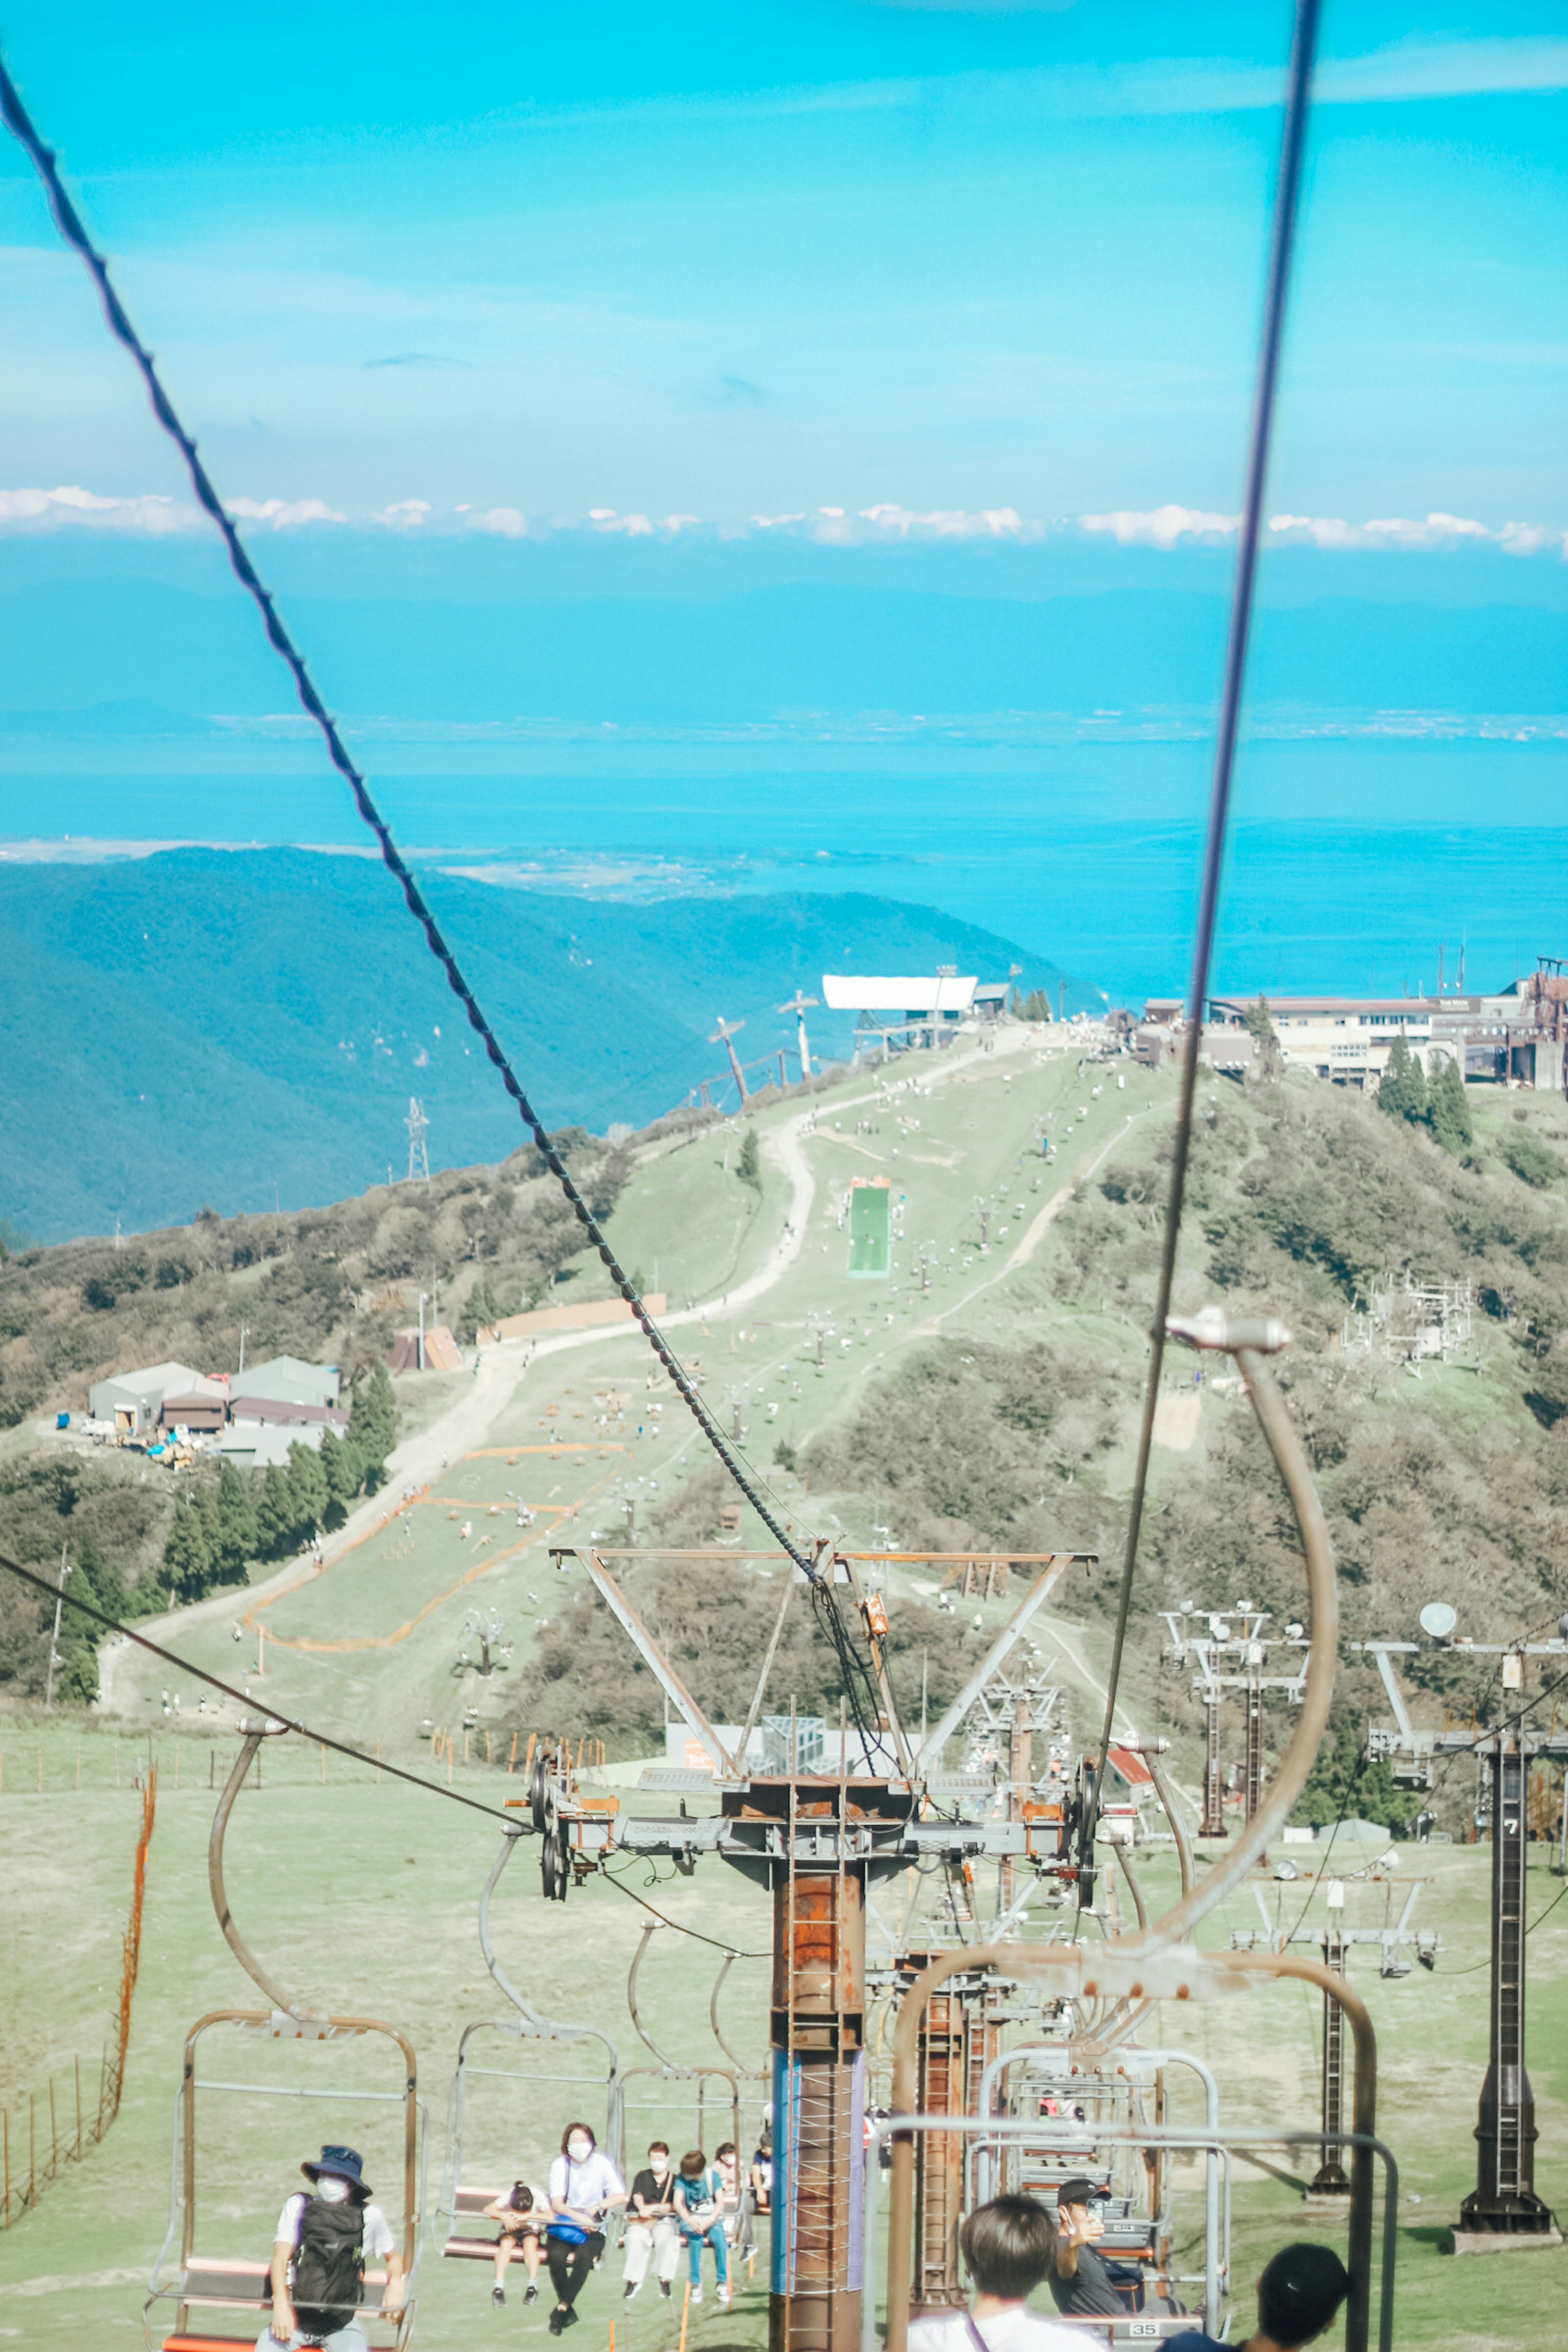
(648, 1651)
(1034, 1599)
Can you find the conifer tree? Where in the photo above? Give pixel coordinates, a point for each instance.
(342, 1465)
(749, 1166)
(187, 1557)
(372, 1421)
(236, 1528)
(1402, 1094)
(274, 1513)
(1447, 1113)
(307, 1489)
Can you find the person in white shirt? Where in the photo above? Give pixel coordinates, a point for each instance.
(1009, 2247)
(583, 2185)
(319, 2253)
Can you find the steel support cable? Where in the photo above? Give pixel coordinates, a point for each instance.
(286, 1723)
(325, 1738)
(71, 227)
(1298, 102)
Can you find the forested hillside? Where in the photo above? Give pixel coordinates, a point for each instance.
(1301, 1197)
(246, 1028)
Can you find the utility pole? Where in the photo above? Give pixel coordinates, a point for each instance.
(1504, 2209)
(1230, 1651)
(419, 1360)
(244, 1335)
(54, 1637)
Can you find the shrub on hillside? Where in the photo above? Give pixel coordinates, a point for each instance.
(1533, 1161)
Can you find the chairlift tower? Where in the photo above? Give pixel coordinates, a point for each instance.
(1331, 2182)
(1504, 2209)
(799, 1004)
(1230, 1651)
(818, 1841)
(722, 1035)
(418, 1126)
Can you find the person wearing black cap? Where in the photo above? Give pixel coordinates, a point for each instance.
(319, 2257)
(1082, 2282)
(1298, 2295)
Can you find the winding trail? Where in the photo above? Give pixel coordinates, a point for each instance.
(468, 1420)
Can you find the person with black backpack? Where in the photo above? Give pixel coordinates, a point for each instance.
(319, 2258)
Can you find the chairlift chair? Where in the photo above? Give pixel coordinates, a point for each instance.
(461, 2201)
(222, 2283)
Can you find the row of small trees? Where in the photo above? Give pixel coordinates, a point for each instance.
(222, 1525)
(1440, 1108)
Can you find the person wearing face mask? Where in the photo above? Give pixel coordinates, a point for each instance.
(319, 2256)
(583, 2185)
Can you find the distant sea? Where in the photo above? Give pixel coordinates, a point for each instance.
(1353, 863)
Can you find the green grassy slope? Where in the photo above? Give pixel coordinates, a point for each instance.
(365, 1894)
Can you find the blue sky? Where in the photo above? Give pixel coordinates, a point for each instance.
(518, 266)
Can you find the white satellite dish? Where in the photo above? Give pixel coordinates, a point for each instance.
(1438, 1619)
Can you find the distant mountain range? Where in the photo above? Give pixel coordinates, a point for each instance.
(202, 1026)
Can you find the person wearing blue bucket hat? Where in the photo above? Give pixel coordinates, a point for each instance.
(319, 2255)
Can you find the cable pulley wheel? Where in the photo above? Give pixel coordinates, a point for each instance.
(537, 1788)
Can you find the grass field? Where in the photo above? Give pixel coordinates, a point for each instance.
(364, 1894)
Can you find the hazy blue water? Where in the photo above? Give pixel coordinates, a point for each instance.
(1351, 863)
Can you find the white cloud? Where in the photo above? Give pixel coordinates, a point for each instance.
(633, 526)
(1165, 527)
(406, 514)
(1529, 538)
(70, 505)
(1438, 531)
(501, 522)
(989, 522)
(284, 514)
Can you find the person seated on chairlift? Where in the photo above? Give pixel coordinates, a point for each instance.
(319, 2257)
(762, 2171)
(651, 2231)
(736, 2200)
(1083, 2283)
(1298, 2295)
(583, 2185)
(700, 2210)
(521, 2233)
(1009, 2247)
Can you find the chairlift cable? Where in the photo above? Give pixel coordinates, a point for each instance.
(72, 228)
(1297, 103)
(858, 1687)
(290, 1723)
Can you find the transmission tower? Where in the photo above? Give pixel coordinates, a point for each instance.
(418, 1126)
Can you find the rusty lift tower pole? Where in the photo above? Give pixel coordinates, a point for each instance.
(1502, 2207)
(1229, 1650)
(816, 1841)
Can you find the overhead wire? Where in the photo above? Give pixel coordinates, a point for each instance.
(321, 1738)
(859, 1690)
(51, 1592)
(1298, 104)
